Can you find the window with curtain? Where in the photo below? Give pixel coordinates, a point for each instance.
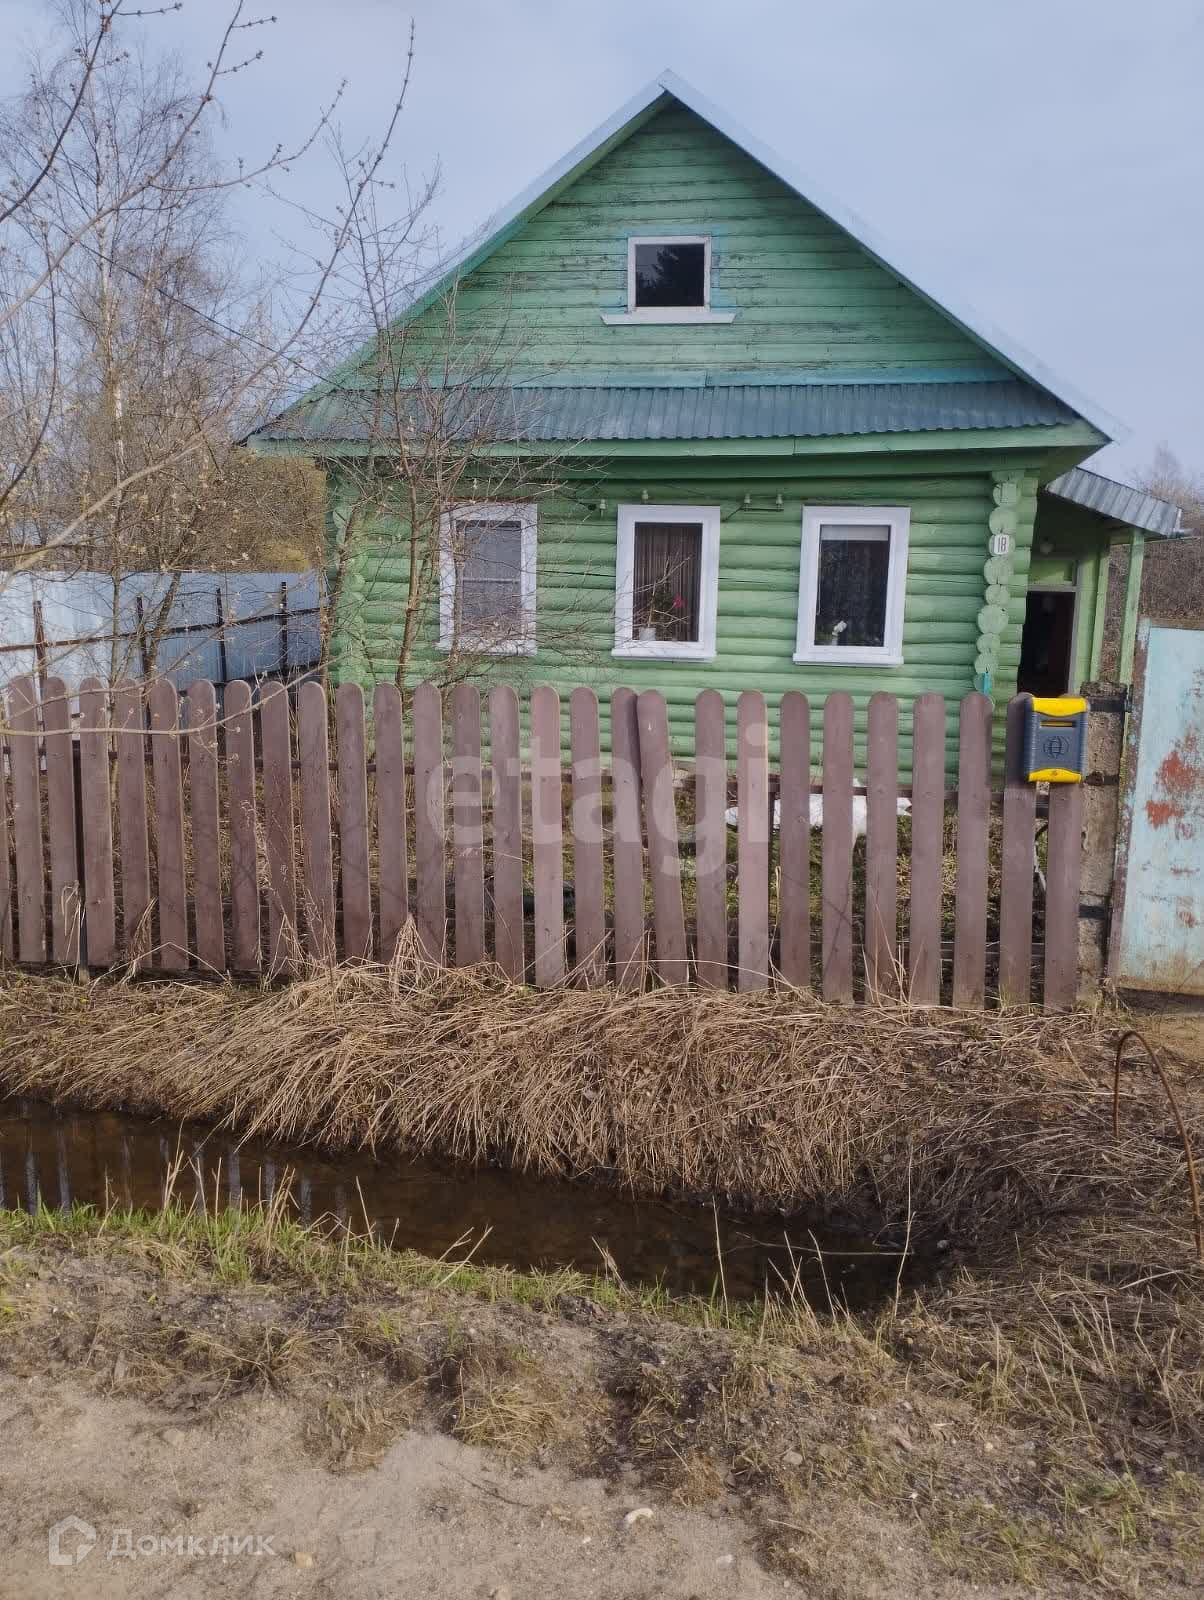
(854, 565)
(667, 585)
(852, 578)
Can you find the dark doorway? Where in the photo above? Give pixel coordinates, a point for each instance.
(1047, 642)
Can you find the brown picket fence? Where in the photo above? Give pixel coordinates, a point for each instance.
(250, 833)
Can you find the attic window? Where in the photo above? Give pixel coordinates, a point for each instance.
(668, 280)
(669, 273)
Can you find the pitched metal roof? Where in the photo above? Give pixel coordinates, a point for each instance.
(1118, 501)
(721, 411)
(638, 110)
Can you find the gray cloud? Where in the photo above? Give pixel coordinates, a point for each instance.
(1046, 160)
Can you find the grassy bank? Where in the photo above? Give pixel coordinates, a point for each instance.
(1040, 1424)
(923, 1121)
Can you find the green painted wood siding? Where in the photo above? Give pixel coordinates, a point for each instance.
(807, 298)
(758, 588)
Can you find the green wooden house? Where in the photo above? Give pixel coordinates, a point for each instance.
(721, 436)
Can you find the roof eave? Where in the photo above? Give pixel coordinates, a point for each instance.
(977, 327)
(1118, 503)
(640, 108)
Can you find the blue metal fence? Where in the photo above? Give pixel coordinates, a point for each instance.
(218, 625)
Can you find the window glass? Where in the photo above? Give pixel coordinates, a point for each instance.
(668, 581)
(854, 564)
(490, 569)
(670, 275)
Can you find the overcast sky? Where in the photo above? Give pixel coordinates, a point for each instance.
(1045, 156)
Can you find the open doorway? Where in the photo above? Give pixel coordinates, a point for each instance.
(1047, 642)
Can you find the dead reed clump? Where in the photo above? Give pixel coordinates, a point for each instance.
(501, 1397)
(974, 1122)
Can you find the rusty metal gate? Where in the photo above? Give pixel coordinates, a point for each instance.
(1158, 930)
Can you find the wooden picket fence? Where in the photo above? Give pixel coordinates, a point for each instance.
(196, 835)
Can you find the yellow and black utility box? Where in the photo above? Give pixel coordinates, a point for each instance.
(1055, 740)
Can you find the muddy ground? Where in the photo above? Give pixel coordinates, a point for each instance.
(394, 1435)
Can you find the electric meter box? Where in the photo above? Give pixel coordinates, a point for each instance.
(1055, 740)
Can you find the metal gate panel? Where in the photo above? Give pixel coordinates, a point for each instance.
(1158, 926)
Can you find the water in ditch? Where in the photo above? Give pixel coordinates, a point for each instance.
(432, 1206)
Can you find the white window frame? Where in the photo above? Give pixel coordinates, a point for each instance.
(667, 314)
(890, 652)
(702, 649)
(526, 515)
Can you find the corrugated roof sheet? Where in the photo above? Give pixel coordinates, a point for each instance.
(718, 411)
(1118, 501)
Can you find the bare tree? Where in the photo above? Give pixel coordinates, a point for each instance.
(1170, 480)
(130, 350)
(437, 460)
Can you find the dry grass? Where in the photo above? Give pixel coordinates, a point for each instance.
(502, 1398)
(980, 1122)
(1037, 1424)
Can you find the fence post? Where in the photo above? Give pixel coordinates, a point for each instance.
(660, 822)
(25, 761)
(39, 642)
(753, 822)
(1101, 819)
(284, 630)
(223, 654)
(1016, 877)
(6, 888)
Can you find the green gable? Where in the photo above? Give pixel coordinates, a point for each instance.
(808, 300)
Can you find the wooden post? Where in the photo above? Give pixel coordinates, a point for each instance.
(660, 821)
(6, 888)
(753, 836)
(589, 878)
(284, 630)
(710, 850)
(25, 765)
(317, 871)
(1062, 893)
(201, 702)
(223, 654)
(468, 835)
(547, 828)
(1128, 631)
(1016, 883)
(173, 953)
(39, 643)
(1106, 704)
(627, 847)
(243, 824)
(355, 877)
(836, 868)
(506, 856)
(391, 843)
(65, 903)
(973, 838)
(924, 965)
(430, 820)
(882, 845)
(129, 717)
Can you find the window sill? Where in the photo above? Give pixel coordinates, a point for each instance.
(634, 319)
(653, 650)
(847, 657)
(516, 647)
